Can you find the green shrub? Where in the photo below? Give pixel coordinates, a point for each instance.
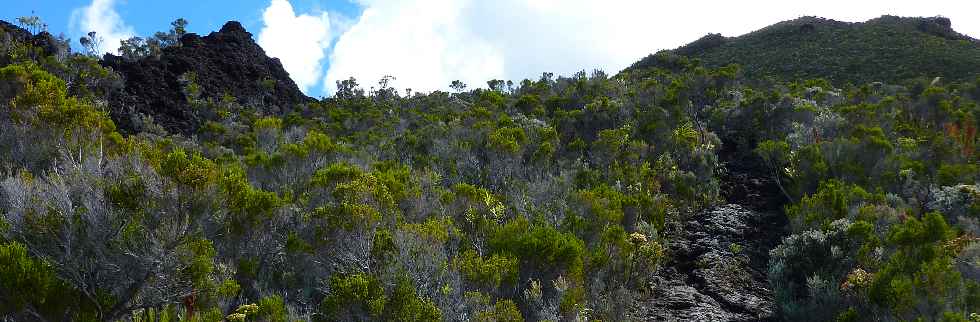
(35, 93)
(249, 206)
(953, 174)
(406, 305)
(27, 282)
(806, 269)
(272, 309)
(542, 245)
(503, 311)
(507, 140)
(490, 272)
(353, 297)
(832, 201)
(194, 171)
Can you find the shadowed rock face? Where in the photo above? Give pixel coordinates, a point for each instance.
(227, 62)
(716, 270)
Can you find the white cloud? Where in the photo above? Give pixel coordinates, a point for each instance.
(299, 41)
(426, 44)
(421, 43)
(101, 16)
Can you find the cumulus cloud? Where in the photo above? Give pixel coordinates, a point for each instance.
(426, 44)
(421, 43)
(299, 41)
(101, 16)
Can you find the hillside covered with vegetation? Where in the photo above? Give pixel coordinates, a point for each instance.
(562, 198)
(888, 49)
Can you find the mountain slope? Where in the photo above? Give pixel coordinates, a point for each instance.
(888, 49)
(673, 193)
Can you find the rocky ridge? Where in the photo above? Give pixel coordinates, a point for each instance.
(226, 63)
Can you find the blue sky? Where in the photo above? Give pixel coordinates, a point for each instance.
(149, 16)
(426, 44)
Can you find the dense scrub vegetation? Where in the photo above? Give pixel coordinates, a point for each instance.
(548, 199)
(884, 204)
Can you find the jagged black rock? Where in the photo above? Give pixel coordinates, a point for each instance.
(224, 62)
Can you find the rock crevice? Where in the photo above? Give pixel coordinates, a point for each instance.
(716, 269)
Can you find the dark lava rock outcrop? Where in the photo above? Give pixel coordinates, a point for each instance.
(227, 62)
(746, 180)
(716, 269)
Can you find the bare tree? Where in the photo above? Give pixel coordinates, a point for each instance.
(32, 23)
(91, 43)
(110, 227)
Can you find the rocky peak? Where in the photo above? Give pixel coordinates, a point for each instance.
(942, 27)
(234, 27)
(226, 62)
(232, 32)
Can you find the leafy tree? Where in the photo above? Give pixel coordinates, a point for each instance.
(776, 155)
(135, 48)
(457, 86)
